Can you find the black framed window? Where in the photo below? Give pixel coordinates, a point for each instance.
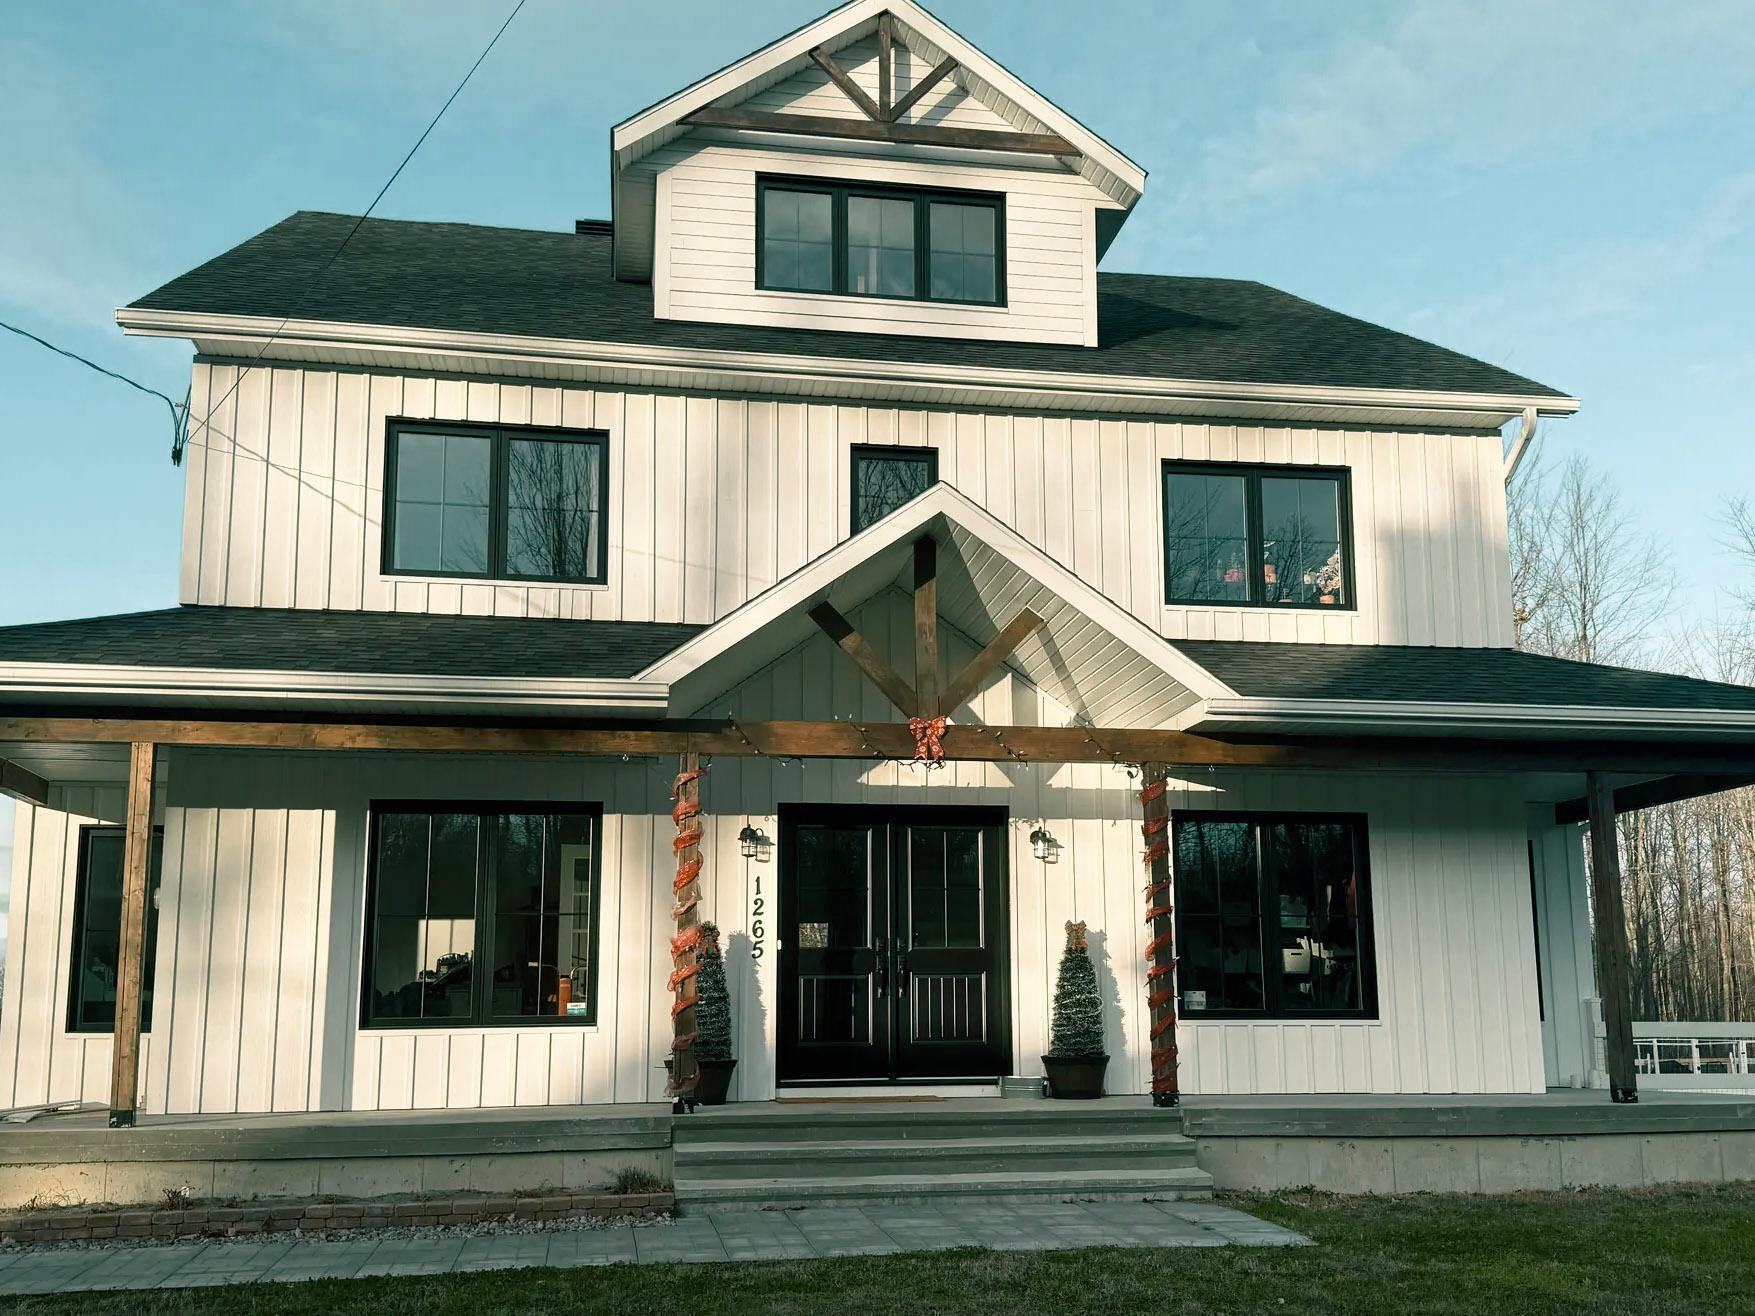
(880, 241)
(1266, 536)
(97, 929)
(1273, 916)
(496, 502)
(884, 478)
(481, 915)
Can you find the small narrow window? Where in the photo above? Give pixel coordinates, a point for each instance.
(1267, 536)
(884, 478)
(861, 241)
(97, 929)
(482, 916)
(496, 503)
(1272, 916)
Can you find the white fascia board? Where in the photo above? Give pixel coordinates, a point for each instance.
(816, 577)
(1473, 718)
(250, 686)
(628, 138)
(798, 374)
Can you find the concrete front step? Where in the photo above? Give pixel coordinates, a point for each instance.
(849, 1158)
(885, 1189)
(912, 1124)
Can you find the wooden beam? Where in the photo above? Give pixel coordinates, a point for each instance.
(131, 938)
(939, 73)
(1161, 933)
(1650, 794)
(1610, 921)
(886, 56)
(988, 660)
(844, 80)
(910, 134)
(684, 1069)
(926, 626)
(975, 744)
(22, 784)
(870, 661)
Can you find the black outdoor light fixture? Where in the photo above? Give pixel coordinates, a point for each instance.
(1044, 846)
(751, 844)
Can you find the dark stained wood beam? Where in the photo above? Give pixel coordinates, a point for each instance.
(926, 626)
(131, 937)
(844, 80)
(911, 134)
(22, 784)
(988, 660)
(869, 660)
(886, 57)
(1610, 924)
(940, 71)
(1650, 794)
(970, 743)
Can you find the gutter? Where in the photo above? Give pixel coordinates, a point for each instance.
(1470, 718)
(1521, 445)
(102, 681)
(765, 370)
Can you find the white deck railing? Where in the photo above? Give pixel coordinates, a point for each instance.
(1695, 1055)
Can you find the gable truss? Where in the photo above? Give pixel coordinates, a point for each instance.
(882, 121)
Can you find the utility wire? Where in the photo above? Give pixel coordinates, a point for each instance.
(179, 411)
(310, 286)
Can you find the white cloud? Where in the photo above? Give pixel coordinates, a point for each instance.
(1474, 83)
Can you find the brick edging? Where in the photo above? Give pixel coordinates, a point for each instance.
(199, 1221)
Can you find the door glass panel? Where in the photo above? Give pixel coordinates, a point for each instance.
(927, 914)
(834, 888)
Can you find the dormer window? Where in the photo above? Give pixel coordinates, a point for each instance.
(859, 241)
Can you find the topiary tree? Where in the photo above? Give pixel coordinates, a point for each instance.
(1078, 1010)
(712, 1000)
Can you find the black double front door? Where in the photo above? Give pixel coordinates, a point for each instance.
(893, 948)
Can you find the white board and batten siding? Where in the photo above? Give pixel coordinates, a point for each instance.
(711, 500)
(262, 919)
(704, 240)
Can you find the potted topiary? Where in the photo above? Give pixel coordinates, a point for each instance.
(712, 1021)
(1076, 1060)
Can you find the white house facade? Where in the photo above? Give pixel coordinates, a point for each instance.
(822, 548)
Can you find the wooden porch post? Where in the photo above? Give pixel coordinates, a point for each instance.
(131, 941)
(926, 626)
(686, 814)
(1611, 939)
(1161, 928)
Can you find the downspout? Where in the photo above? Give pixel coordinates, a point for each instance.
(1525, 435)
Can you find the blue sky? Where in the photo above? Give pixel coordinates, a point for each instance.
(1564, 187)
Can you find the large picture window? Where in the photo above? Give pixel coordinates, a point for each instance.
(97, 929)
(481, 915)
(496, 503)
(1273, 916)
(1257, 536)
(884, 478)
(880, 241)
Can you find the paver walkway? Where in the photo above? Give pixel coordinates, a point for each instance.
(708, 1236)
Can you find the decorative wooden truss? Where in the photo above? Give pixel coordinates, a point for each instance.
(883, 117)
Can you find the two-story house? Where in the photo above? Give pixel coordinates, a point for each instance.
(823, 547)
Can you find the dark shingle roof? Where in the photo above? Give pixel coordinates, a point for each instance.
(1435, 675)
(302, 640)
(471, 279)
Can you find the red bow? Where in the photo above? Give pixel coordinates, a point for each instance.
(928, 738)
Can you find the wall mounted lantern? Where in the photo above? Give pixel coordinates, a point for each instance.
(751, 844)
(1044, 846)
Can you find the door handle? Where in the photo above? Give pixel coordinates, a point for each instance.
(902, 973)
(882, 968)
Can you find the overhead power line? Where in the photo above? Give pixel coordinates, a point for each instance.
(179, 410)
(310, 287)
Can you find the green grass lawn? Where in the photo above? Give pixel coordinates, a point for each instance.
(1642, 1253)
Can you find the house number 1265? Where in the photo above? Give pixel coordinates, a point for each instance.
(758, 921)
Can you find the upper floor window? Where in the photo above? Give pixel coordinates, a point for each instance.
(884, 478)
(481, 915)
(1272, 916)
(1257, 535)
(97, 929)
(495, 502)
(879, 241)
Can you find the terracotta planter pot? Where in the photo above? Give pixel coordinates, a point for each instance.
(714, 1080)
(1075, 1078)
